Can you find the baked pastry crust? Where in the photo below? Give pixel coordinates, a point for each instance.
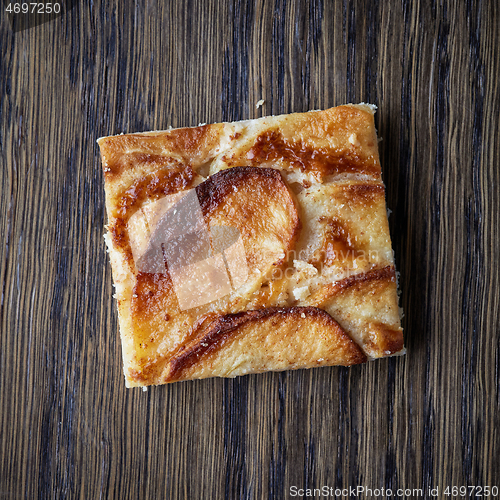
(278, 254)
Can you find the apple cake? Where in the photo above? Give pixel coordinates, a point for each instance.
(251, 246)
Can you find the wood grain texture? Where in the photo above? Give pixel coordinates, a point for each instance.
(68, 426)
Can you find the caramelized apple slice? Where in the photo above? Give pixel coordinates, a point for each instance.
(362, 306)
(266, 339)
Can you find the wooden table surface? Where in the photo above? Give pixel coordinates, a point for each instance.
(68, 426)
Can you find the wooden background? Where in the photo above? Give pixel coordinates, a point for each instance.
(68, 426)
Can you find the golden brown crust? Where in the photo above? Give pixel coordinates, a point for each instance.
(156, 150)
(305, 196)
(271, 146)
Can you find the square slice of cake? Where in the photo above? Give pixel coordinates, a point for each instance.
(251, 246)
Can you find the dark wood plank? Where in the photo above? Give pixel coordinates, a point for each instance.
(68, 426)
